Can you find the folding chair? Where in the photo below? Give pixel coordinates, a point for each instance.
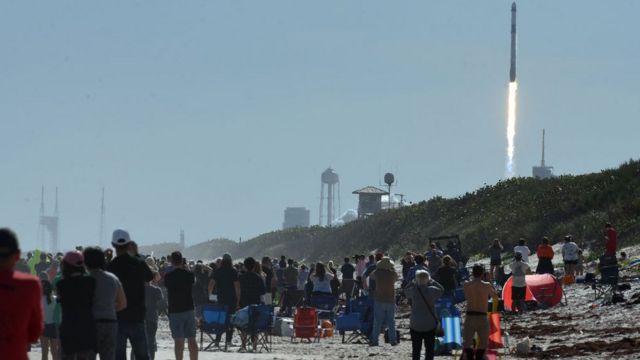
(326, 306)
(305, 323)
(215, 321)
(607, 286)
(260, 326)
(357, 319)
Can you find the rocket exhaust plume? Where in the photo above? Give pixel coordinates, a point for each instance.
(512, 99)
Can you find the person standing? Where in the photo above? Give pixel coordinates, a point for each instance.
(519, 270)
(420, 265)
(384, 301)
(49, 341)
(407, 263)
(570, 256)
(76, 295)
(20, 296)
(611, 240)
(251, 284)
(321, 280)
(225, 282)
(303, 276)
(182, 317)
(433, 258)
(133, 273)
(523, 249)
(347, 270)
(154, 298)
(423, 294)
(477, 292)
(545, 256)
(109, 298)
(495, 258)
(447, 276)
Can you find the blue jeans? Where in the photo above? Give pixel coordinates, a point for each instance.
(136, 334)
(383, 314)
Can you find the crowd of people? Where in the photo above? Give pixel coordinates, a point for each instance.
(93, 302)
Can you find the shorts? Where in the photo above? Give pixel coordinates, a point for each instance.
(571, 262)
(50, 331)
(518, 293)
(496, 262)
(182, 324)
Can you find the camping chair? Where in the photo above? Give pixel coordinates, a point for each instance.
(607, 285)
(259, 327)
(357, 319)
(326, 305)
(215, 321)
(305, 323)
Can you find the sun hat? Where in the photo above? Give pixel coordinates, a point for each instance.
(120, 237)
(385, 264)
(74, 258)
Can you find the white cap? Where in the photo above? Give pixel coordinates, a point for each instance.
(120, 237)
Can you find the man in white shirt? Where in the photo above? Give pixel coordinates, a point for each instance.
(570, 255)
(523, 249)
(519, 270)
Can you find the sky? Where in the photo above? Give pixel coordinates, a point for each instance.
(214, 116)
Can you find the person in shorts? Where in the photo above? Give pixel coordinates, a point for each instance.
(182, 316)
(570, 256)
(519, 270)
(495, 255)
(50, 341)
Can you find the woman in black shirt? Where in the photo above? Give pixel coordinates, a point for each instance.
(75, 294)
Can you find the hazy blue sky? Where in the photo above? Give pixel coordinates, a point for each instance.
(214, 116)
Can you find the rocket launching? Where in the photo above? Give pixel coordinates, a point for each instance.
(512, 99)
(512, 70)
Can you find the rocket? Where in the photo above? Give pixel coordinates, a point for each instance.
(512, 70)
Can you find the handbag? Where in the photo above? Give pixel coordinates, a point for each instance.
(439, 330)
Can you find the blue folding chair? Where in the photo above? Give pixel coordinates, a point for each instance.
(357, 319)
(326, 306)
(215, 321)
(260, 326)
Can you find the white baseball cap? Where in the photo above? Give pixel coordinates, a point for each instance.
(120, 237)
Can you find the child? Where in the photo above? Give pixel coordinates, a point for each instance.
(49, 339)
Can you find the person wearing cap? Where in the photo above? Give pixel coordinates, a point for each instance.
(20, 296)
(109, 298)
(182, 317)
(523, 249)
(519, 270)
(384, 308)
(75, 294)
(133, 273)
(225, 282)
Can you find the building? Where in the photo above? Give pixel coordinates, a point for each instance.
(543, 171)
(369, 200)
(296, 217)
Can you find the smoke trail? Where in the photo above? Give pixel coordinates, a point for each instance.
(511, 127)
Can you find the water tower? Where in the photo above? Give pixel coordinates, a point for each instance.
(332, 181)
